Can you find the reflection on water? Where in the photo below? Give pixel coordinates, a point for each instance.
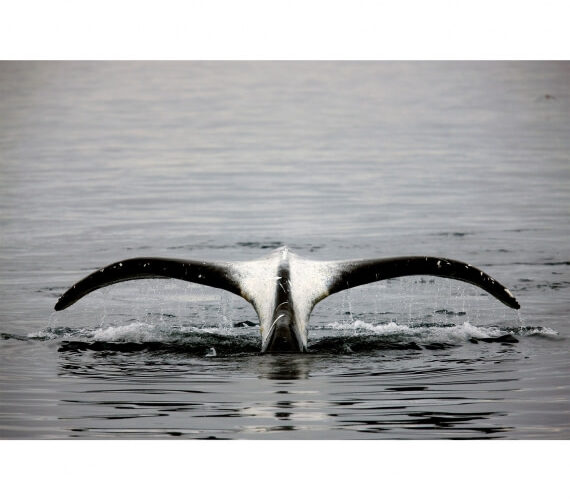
(465, 423)
(455, 393)
(284, 366)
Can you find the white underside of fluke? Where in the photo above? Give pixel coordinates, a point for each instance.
(308, 284)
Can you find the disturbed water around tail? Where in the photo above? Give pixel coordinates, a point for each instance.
(227, 161)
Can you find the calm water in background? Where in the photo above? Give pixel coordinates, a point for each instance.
(227, 161)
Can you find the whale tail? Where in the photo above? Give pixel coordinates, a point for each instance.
(349, 274)
(308, 283)
(213, 274)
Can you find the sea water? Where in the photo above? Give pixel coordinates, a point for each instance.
(229, 160)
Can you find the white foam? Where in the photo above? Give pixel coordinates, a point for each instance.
(132, 332)
(135, 331)
(144, 332)
(383, 329)
(453, 333)
(543, 332)
(43, 334)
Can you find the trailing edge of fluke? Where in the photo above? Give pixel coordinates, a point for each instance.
(283, 287)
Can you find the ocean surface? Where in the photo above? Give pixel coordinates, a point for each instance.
(228, 161)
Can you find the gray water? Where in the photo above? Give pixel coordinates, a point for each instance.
(226, 161)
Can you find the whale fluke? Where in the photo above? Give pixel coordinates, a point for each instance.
(283, 288)
(360, 272)
(213, 274)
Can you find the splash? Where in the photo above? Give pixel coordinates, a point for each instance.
(358, 327)
(132, 332)
(135, 331)
(353, 337)
(439, 333)
(137, 336)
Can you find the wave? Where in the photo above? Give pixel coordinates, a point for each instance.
(243, 338)
(435, 331)
(360, 336)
